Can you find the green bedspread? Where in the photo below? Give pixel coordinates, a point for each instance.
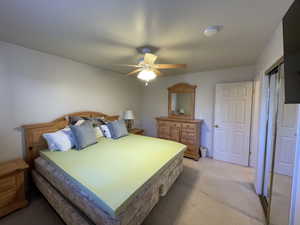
(115, 169)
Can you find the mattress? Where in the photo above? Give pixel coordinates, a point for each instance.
(109, 173)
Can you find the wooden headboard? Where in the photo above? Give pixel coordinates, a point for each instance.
(34, 141)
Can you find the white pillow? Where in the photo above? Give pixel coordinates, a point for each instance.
(98, 132)
(105, 131)
(58, 140)
(69, 133)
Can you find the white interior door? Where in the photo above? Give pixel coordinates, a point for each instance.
(286, 136)
(232, 122)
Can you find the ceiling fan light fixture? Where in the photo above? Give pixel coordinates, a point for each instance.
(146, 75)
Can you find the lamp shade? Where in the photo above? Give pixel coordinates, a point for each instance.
(128, 115)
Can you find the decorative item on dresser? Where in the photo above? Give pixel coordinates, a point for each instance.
(129, 118)
(136, 131)
(12, 188)
(180, 125)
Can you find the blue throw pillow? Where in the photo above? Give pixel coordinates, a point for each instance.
(84, 135)
(117, 129)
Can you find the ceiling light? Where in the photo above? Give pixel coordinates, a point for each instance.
(146, 75)
(212, 30)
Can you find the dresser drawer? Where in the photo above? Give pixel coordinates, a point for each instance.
(191, 149)
(163, 132)
(188, 141)
(189, 127)
(175, 125)
(163, 123)
(188, 137)
(7, 197)
(7, 183)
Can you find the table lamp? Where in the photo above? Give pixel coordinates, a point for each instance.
(129, 118)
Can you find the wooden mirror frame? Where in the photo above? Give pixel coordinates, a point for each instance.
(182, 88)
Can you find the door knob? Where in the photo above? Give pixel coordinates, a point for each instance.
(216, 126)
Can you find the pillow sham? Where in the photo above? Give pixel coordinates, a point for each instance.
(98, 132)
(84, 135)
(117, 129)
(68, 132)
(105, 131)
(58, 140)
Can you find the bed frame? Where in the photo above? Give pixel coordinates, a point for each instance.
(135, 211)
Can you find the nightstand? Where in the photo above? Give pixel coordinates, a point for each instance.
(136, 131)
(12, 188)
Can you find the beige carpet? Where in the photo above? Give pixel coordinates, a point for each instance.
(208, 192)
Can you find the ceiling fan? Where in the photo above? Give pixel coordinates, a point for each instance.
(147, 70)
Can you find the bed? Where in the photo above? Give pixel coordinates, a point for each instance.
(109, 183)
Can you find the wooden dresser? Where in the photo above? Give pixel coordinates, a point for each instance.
(12, 193)
(185, 131)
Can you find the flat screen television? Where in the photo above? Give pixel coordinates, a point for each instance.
(291, 39)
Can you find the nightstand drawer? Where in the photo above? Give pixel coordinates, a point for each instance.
(12, 186)
(7, 197)
(7, 183)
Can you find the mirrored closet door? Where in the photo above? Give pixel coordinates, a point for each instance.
(280, 148)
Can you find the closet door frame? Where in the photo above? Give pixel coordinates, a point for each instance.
(263, 118)
(267, 149)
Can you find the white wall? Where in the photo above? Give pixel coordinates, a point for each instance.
(38, 87)
(155, 97)
(273, 50)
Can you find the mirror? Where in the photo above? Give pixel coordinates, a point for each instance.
(182, 101)
(284, 157)
(182, 104)
(280, 148)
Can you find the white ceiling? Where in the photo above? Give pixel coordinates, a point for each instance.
(106, 32)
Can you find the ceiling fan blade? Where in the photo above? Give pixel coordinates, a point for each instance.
(170, 66)
(157, 72)
(137, 66)
(149, 58)
(134, 72)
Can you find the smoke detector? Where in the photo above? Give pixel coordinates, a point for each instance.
(212, 30)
